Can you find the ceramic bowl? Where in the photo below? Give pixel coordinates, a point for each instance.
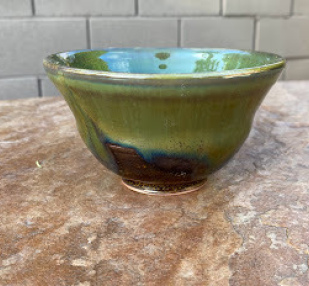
(163, 119)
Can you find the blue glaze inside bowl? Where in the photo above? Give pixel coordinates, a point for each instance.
(165, 60)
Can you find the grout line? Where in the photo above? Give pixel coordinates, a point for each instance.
(136, 7)
(116, 17)
(88, 33)
(21, 76)
(256, 39)
(297, 58)
(33, 7)
(74, 17)
(40, 87)
(292, 7)
(255, 15)
(221, 8)
(283, 77)
(254, 34)
(179, 24)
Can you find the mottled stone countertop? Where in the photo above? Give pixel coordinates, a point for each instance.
(66, 220)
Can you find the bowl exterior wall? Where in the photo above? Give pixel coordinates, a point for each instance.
(177, 130)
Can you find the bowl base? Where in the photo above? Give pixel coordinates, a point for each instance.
(163, 189)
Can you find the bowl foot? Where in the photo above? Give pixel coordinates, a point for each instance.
(163, 189)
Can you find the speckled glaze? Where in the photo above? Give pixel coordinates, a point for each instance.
(164, 119)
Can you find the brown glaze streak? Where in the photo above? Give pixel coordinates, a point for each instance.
(170, 170)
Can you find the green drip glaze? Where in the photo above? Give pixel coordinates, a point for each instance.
(167, 117)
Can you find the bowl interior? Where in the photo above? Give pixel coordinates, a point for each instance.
(165, 60)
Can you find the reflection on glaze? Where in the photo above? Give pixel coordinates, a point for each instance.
(164, 61)
(162, 56)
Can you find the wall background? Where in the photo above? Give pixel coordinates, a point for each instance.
(32, 29)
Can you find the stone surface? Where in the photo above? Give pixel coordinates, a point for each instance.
(66, 220)
(133, 32)
(13, 8)
(25, 42)
(301, 7)
(84, 7)
(14, 88)
(297, 69)
(217, 32)
(257, 7)
(287, 37)
(179, 7)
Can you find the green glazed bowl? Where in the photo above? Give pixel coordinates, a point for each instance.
(164, 119)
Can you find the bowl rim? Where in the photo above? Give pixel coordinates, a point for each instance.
(50, 64)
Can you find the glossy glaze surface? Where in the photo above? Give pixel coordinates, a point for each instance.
(165, 61)
(164, 116)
